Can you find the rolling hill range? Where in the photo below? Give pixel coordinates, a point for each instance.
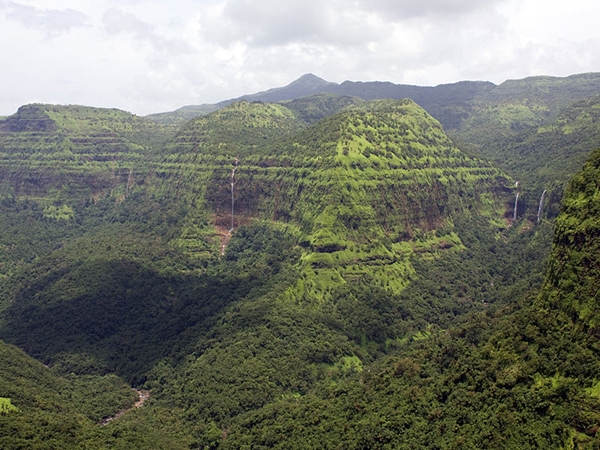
(517, 124)
(309, 267)
(510, 106)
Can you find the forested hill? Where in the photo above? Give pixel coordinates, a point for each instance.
(322, 272)
(537, 129)
(357, 194)
(456, 105)
(540, 130)
(526, 376)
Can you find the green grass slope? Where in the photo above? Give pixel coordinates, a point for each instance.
(539, 130)
(518, 104)
(59, 153)
(361, 193)
(363, 187)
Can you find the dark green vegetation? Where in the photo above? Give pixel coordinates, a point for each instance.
(375, 291)
(524, 375)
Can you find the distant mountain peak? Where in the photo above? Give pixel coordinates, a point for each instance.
(309, 79)
(307, 84)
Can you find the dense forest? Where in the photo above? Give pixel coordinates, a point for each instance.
(346, 269)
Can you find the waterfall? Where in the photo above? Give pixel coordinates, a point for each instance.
(515, 210)
(235, 164)
(541, 207)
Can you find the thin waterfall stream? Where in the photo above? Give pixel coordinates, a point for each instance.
(541, 207)
(235, 164)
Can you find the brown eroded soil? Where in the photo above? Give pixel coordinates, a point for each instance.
(143, 396)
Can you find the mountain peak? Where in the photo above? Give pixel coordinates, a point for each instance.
(309, 80)
(307, 84)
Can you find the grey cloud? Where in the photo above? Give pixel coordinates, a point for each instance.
(410, 9)
(117, 22)
(51, 21)
(266, 23)
(271, 22)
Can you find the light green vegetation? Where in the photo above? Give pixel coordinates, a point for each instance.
(6, 406)
(373, 293)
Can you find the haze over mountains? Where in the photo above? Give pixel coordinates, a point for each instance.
(362, 265)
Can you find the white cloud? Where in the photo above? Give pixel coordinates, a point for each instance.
(116, 22)
(271, 23)
(149, 56)
(403, 10)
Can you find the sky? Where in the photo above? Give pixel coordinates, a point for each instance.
(148, 56)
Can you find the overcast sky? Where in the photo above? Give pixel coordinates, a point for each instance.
(148, 56)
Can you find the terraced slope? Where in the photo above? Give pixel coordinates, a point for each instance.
(524, 376)
(72, 151)
(360, 186)
(361, 191)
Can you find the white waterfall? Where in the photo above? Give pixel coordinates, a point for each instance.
(541, 207)
(235, 164)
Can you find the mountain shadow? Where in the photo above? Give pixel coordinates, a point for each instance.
(119, 315)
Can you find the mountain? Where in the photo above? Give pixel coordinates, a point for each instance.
(330, 180)
(476, 113)
(540, 130)
(129, 267)
(320, 272)
(360, 192)
(524, 377)
(69, 143)
(306, 85)
(450, 103)
(536, 129)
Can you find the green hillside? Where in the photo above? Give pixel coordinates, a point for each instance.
(324, 272)
(359, 193)
(68, 153)
(516, 125)
(357, 186)
(546, 156)
(313, 108)
(525, 376)
(573, 273)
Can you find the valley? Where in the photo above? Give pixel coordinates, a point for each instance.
(317, 266)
